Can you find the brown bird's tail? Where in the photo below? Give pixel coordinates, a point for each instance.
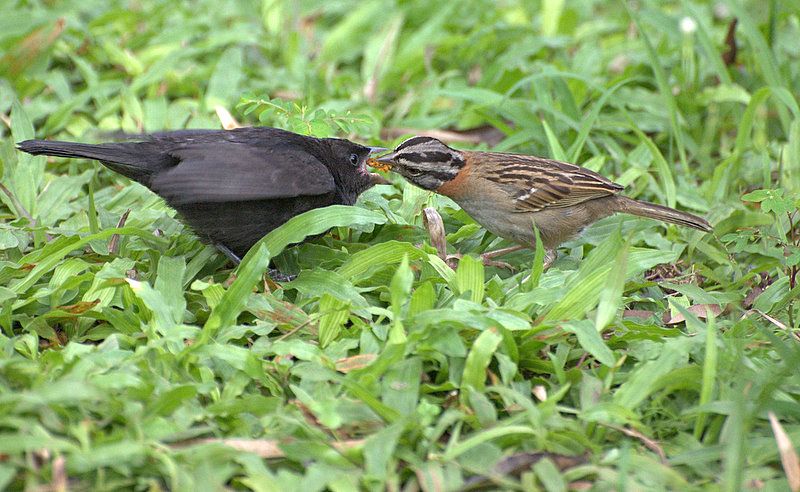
(659, 212)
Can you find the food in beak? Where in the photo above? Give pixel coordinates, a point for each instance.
(381, 163)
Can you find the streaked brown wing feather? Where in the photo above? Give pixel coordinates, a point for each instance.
(536, 183)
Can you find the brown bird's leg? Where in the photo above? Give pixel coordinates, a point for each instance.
(550, 256)
(490, 255)
(433, 222)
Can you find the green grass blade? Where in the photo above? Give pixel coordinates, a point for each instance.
(248, 273)
(470, 278)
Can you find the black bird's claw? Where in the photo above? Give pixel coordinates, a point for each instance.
(277, 276)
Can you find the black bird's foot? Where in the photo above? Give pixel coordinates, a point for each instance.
(277, 276)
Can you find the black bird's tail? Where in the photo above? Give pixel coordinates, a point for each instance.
(135, 160)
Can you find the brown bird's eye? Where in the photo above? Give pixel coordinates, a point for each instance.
(354, 159)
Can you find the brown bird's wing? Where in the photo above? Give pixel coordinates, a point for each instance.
(537, 183)
(234, 172)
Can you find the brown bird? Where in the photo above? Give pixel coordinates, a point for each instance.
(509, 193)
(233, 186)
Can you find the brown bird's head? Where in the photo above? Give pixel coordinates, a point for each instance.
(424, 161)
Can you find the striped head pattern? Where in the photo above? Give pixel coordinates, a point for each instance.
(425, 162)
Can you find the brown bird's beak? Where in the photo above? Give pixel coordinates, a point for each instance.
(383, 163)
(371, 161)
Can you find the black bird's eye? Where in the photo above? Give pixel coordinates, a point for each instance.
(354, 160)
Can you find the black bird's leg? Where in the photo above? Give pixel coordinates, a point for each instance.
(273, 273)
(227, 252)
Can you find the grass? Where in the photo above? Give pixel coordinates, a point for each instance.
(648, 358)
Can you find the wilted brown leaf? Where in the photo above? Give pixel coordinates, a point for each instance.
(699, 310)
(113, 243)
(789, 460)
(360, 361)
(489, 135)
(26, 52)
(79, 307)
(265, 448)
(433, 222)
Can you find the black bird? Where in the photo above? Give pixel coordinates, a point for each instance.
(232, 186)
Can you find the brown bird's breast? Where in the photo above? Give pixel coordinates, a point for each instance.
(461, 184)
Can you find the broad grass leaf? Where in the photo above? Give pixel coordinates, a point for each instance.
(318, 282)
(549, 475)
(665, 89)
(350, 34)
(333, 314)
(474, 375)
(317, 221)
(169, 283)
(28, 175)
(223, 86)
(361, 264)
(233, 301)
(644, 379)
(401, 385)
(556, 150)
(664, 169)
(167, 402)
(589, 338)
(423, 299)
(584, 289)
(47, 258)
(462, 447)
(444, 271)
(400, 291)
(611, 296)
(379, 451)
(470, 278)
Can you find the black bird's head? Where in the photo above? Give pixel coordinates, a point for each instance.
(424, 161)
(347, 162)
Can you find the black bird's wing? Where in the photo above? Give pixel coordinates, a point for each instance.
(235, 172)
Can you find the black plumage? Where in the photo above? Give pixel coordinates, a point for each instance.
(232, 186)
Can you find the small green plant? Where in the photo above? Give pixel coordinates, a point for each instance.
(300, 118)
(779, 240)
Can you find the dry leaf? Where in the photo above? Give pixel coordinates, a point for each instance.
(650, 444)
(59, 481)
(80, 307)
(789, 460)
(113, 243)
(433, 222)
(225, 118)
(489, 135)
(265, 448)
(637, 313)
(699, 310)
(355, 362)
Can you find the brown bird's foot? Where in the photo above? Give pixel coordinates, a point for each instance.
(489, 256)
(497, 264)
(550, 256)
(452, 261)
